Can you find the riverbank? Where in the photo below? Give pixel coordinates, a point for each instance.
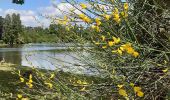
(3, 45)
(10, 83)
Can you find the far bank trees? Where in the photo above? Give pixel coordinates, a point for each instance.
(11, 29)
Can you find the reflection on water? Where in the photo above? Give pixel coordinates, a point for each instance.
(46, 56)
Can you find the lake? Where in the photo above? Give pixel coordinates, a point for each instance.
(47, 56)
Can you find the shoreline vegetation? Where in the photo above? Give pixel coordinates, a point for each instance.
(10, 80)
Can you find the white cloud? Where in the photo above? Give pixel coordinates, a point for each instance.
(27, 16)
(34, 18)
(57, 9)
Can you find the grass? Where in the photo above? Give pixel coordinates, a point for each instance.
(9, 81)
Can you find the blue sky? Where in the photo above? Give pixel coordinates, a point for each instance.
(29, 4)
(32, 10)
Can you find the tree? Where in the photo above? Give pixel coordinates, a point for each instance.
(12, 29)
(52, 29)
(7, 29)
(1, 26)
(18, 1)
(16, 27)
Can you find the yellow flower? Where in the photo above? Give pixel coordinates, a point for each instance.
(122, 49)
(49, 85)
(98, 22)
(93, 26)
(165, 70)
(97, 29)
(116, 40)
(30, 81)
(103, 38)
(124, 14)
(81, 16)
(132, 84)
(135, 54)
(24, 99)
(30, 76)
(136, 88)
(83, 89)
(119, 52)
(65, 18)
(19, 73)
(21, 79)
(140, 94)
(84, 83)
(120, 86)
(114, 51)
(126, 6)
(85, 18)
(127, 45)
(117, 18)
(116, 11)
(104, 47)
(52, 76)
(130, 50)
(110, 43)
(83, 6)
(107, 17)
(97, 43)
(19, 96)
(97, 19)
(30, 85)
(123, 92)
(79, 82)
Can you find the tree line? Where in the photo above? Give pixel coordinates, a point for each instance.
(13, 32)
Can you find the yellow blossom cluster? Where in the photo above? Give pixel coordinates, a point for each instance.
(29, 83)
(20, 97)
(116, 16)
(125, 12)
(83, 83)
(63, 21)
(128, 48)
(83, 6)
(107, 17)
(85, 18)
(122, 91)
(21, 78)
(138, 91)
(114, 41)
(49, 84)
(97, 28)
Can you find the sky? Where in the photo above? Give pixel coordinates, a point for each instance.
(32, 10)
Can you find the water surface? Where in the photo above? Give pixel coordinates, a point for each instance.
(46, 56)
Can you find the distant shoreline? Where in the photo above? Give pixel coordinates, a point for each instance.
(3, 45)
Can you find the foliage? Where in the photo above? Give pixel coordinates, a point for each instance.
(12, 28)
(37, 35)
(1, 26)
